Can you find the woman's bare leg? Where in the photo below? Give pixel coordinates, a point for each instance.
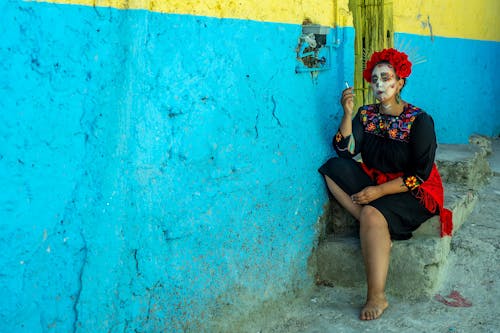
(343, 198)
(376, 248)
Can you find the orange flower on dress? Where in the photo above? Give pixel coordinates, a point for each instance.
(393, 133)
(411, 182)
(371, 127)
(338, 137)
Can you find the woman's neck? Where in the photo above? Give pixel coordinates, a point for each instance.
(392, 108)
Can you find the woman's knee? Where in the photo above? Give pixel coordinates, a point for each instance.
(371, 217)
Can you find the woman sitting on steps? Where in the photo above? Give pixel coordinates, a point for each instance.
(396, 187)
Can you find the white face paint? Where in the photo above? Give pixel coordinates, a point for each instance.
(383, 82)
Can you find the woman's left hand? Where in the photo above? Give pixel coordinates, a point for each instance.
(367, 195)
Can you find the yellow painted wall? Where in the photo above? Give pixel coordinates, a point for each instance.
(446, 18)
(449, 18)
(325, 12)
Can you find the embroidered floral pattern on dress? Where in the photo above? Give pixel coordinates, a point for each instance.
(396, 128)
(338, 137)
(342, 143)
(411, 182)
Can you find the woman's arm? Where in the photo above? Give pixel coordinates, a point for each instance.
(347, 141)
(423, 145)
(347, 102)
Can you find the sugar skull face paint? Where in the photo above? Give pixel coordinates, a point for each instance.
(384, 82)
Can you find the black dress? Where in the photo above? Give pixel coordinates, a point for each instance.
(404, 145)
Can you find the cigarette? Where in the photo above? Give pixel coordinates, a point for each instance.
(346, 84)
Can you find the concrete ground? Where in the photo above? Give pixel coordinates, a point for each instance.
(472, 271)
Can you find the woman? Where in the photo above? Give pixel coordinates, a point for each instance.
(397, 186)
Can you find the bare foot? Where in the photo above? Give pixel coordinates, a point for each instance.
(373, 308)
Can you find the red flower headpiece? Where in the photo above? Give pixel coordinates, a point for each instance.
(398, 60)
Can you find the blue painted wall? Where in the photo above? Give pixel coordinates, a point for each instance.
(157, 171)
(457, 84)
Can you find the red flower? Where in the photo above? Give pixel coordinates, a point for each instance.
(398, 60)
(404, 70)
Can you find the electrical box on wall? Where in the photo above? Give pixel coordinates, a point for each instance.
(313, 50)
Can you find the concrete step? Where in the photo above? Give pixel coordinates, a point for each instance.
(417, 264)
(494, 157)
(466, 165)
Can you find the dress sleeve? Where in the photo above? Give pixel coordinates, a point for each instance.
(351, 145)
(423, 151)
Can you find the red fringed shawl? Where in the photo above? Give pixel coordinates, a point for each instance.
(430, 193)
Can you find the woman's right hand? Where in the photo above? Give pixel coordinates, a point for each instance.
(347, 100)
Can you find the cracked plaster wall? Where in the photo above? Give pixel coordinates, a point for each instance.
(158, 171)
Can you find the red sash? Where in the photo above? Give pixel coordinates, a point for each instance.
(430, 193)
